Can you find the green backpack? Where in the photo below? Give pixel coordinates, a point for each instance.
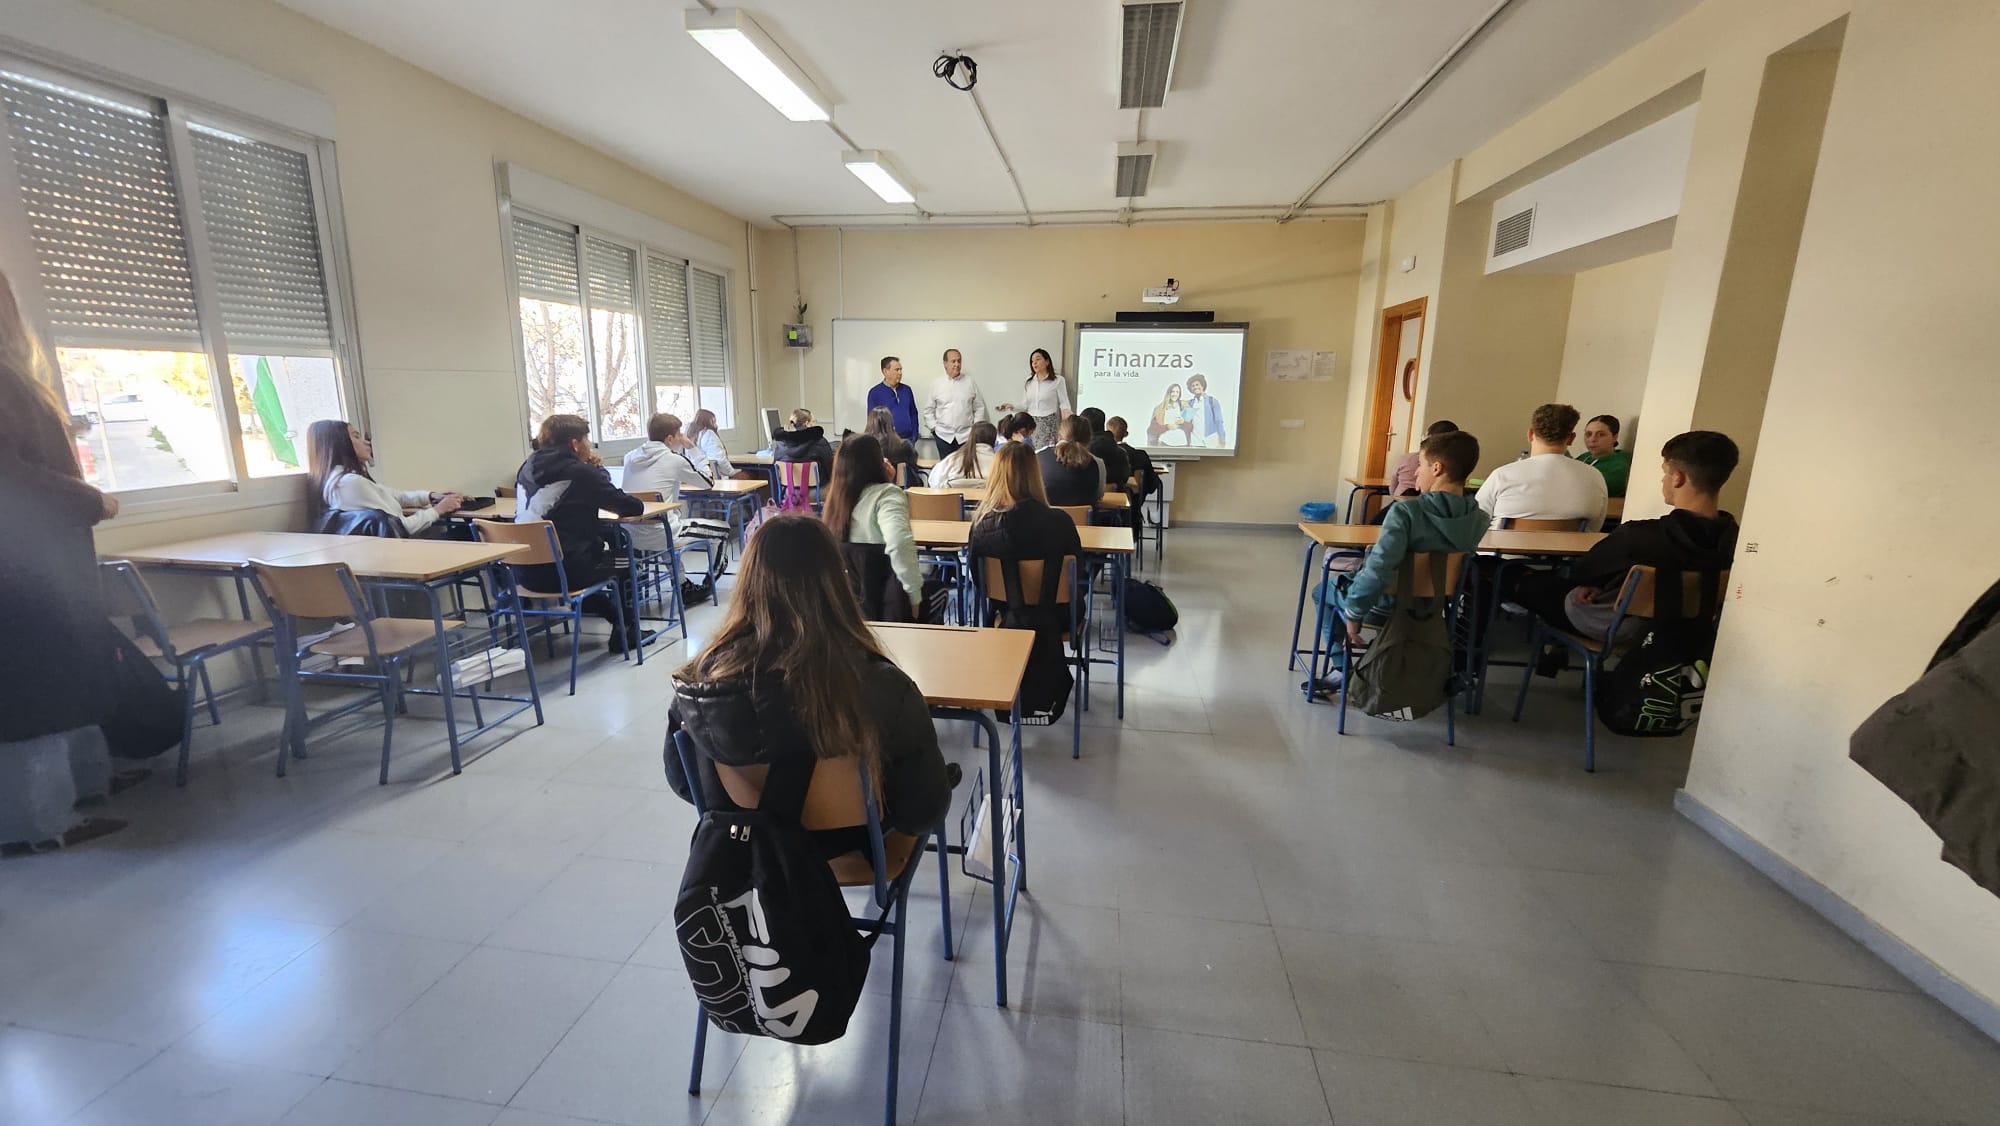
(1407, 672)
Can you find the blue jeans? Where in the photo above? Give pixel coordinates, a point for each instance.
(1336, 622)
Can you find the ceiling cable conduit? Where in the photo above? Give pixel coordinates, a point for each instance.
(1437, 69)
(1026, 214)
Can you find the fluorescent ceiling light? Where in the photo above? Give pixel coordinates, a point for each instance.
(733, 37)
(873, 169)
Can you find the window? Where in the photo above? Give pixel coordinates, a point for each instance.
(179, 276)
(613, 330)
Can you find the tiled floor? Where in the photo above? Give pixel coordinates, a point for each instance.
(1237, 916)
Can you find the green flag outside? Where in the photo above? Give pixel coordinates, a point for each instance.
(271, 411)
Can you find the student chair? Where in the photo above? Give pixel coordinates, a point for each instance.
(1636, 599)
(994, 576)
(1079, 513)
(1423, 583)
(504, 491)
(1483, 644)
(839, 797)
(798, 485)
(566, 605)
(384, 646)
(186, 648)
(937, 506)
(654, 579)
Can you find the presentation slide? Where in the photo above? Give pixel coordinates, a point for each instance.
(1178, 386)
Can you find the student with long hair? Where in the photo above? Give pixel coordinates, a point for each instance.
(967, 466)
(708, 440)
(864, 506)
(1015, 524)
(1044, 396)
(564, 482)
(902, 455)
(57, 668)
(793, 671)
(337, 457)
(1016, 427)
(1070, 472)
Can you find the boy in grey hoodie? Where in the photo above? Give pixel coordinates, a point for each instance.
(1439, 518)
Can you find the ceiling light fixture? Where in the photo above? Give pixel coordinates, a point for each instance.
(1135, 168)
(872, 168)
(1150, 41)
(735, 39)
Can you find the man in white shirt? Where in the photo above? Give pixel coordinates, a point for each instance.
(953, 406)
(1547, 484)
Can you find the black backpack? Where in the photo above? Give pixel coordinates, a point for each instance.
(142, 711)
(1148, 609)
(1656, 688)
(769, 946)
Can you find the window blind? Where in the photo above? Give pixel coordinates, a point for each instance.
(98, 188)
(711, 329)
(609, 274)
(263, 236)
(668, 363)
(545, 261)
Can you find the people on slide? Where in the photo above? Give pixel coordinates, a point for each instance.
(865, 506)
(967, 466)
(800, 441)
(902, 455)
(337, 480)
(1204, 415)
(1045, 396)
(1547, 484)
(1601, 452)
(564, 482)
(57, 663)
(1170, 425)
(792, 673)
(1071, 474)
(665, 463)
(901, 401)
(1440, 518)
(1697, 536)
(1403, 477)
(954, 405)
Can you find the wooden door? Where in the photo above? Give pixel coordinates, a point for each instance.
(1399, 364)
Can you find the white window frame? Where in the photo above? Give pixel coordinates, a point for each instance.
(17, 258)
(552, 204)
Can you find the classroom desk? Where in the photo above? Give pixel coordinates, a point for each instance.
(1614, 508)
(1363, 536)
(1362, 487)
(964, 673)
(763, 458)
(974, 496)
(504, 508)
(732, 494)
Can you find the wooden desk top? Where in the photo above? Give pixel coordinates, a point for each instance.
(423, 560)
(1614, 508)
(956, 533)
(731, 485)
(977, 495)
(766, 459)
(504, 509)
(1369, 482)
(1510, 542)
(958, 666)
(231, 551)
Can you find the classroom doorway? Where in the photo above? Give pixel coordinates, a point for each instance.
(1392, 416)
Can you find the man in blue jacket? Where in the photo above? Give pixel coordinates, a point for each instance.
(1439, 518)
(1205, 413)
(901, 401)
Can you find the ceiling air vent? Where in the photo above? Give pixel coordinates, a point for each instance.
(1146, 62)
(1512, 233)
(1135, 167)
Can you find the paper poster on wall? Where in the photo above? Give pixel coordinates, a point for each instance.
(1298, 366)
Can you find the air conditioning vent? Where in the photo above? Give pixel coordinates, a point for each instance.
(1135, 168)
(1146, 62)
(1512, 233)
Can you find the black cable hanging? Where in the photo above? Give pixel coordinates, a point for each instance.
(948, 67)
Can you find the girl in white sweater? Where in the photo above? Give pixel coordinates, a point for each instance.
(338, 455)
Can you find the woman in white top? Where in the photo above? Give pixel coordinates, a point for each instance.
(1045, 396)
(666, 463)
(338, 455)
(966, 467)
(702, 432)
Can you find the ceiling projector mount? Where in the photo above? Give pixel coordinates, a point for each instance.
(948, 65)
(1168, 294)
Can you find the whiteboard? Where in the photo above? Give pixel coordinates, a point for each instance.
(995, 352)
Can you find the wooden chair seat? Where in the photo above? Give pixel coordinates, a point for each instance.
(854, 869)
(190, 638)
(1589, 644)
(392, 636)
(545, 596)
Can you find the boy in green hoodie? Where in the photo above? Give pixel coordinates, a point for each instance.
(1439, 518)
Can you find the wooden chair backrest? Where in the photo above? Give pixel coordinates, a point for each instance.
(798, 473)
(834, 800)
(1424, 587)
(1031, 580)
(1645, 581)
(1526, 524)
(538, 536)
(1080, 513)
(654, 495)
(937, 506)
(309, 590)
(506, 491)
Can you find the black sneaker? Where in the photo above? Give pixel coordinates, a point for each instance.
(1551, 662)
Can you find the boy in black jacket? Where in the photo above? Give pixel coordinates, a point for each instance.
(1696, 536)
(564, 483)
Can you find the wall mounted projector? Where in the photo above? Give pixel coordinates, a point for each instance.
(1167, 294)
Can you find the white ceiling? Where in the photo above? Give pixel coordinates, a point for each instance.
(1267, 93)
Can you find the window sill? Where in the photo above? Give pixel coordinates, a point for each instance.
(273, 493)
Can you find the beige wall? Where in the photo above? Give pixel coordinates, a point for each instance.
(1763, 249)
(1610, 342)
(417, 158)
(1295, 284)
